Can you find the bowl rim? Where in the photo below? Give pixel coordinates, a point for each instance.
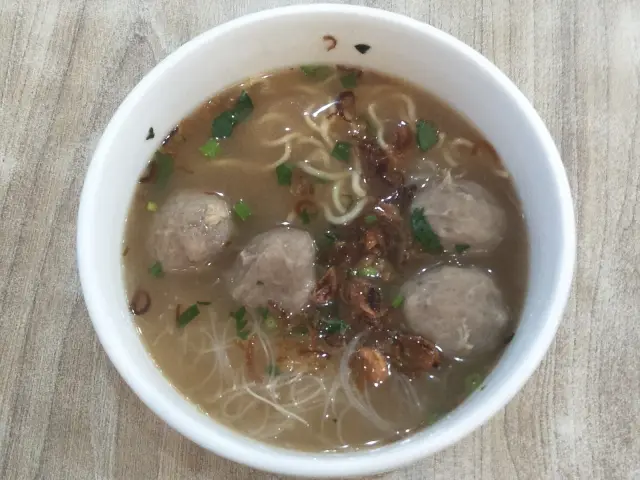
(289, 461)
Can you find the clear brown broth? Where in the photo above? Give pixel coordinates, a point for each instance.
(181, 352)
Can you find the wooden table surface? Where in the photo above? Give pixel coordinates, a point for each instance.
(65, 65)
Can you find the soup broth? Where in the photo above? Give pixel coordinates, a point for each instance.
(359, 161)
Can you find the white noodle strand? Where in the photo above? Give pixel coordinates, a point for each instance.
(336, 192)
(324, 175)
(347, 217)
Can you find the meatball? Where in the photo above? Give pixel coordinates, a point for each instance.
(460, 309)
(462, 212)
(189, 229)
(276, 266)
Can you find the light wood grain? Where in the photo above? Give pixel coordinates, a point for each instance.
(65, 65)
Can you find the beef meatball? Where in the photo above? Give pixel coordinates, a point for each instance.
(189, 229)
(460, 309)
(276, 266)
(462, 212)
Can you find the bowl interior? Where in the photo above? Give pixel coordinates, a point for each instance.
(289, 37)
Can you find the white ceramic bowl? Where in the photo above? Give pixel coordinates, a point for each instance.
(293, 36)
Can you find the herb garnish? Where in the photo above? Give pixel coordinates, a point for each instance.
(305, 218)
(342, 151)
(270, 323)
(199, 302)
(241, 322)
(189, 314)
(284, 172)
(211, 148)
(335, 325)
(423, 232)
(370, 219)
(397, 301)
(426, 135)
(362, 48)
(156, 270)
(371, 272)
(150, 134)
(223, 125)
(272, 370)
(330, 236)
(242, 210)
(152, 206)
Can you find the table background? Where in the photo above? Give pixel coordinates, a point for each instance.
(65, 65)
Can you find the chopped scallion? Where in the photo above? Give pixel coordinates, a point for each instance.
(156, 270)
(426, 135)
(349, 81)
(272, 370)
(222, 125)
(335, 325)
(370, 219)
(342, 151)
(189, 314)
(152, 206)
(305, 218)
(397, 301)
(270, 323)
(371, 272)
(284, 172)
(203, 303)
(211, 148)
(330, 236)
(423, 232)
(242, 210)
(263, 312)
(243, 108)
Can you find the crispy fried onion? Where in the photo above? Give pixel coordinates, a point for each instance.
(369, 367)
(363, 298)
(326, 288)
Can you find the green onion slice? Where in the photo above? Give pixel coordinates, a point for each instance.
(423, 232)
(189, 314)
(242, 210)
(426, 135)
(342, 151)
(156, 270)
(211, 148)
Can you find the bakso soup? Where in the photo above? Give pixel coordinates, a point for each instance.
(325, 258)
